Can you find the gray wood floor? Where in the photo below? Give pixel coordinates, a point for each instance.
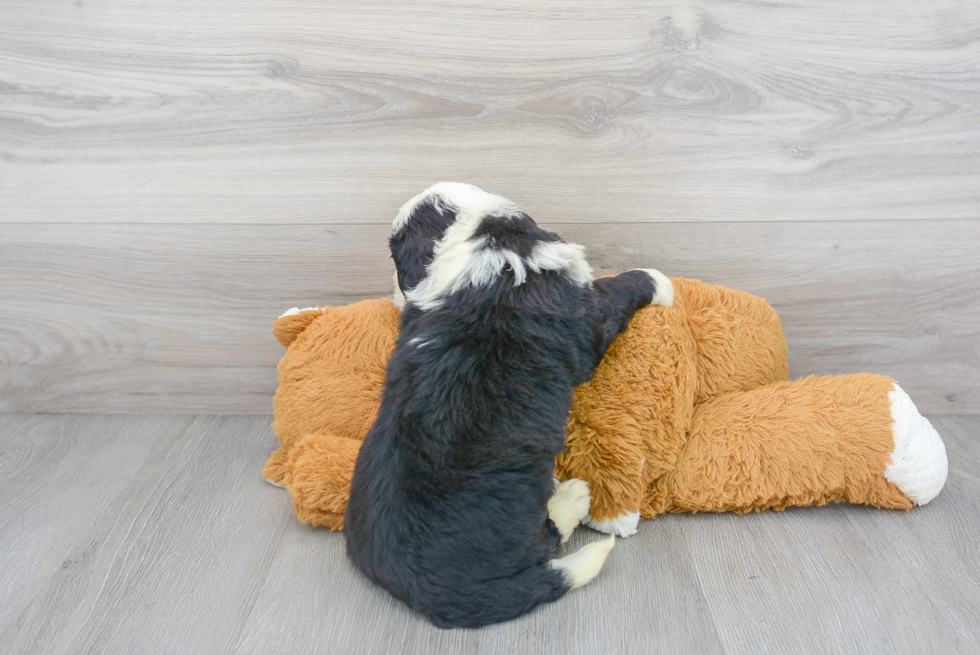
(156, 534)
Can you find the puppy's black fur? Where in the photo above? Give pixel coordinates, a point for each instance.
(448, 504)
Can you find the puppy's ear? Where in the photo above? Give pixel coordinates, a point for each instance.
(412, 246)
(411, 258)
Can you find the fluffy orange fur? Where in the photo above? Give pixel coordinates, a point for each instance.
(690, 410)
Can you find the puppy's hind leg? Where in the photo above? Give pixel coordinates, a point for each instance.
(585, 563)
(569, 505)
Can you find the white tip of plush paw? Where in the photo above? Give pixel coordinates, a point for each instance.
(280, 486)
(623, 525)
(569, 505)
(665, 288)
(297, 310)
(919, 465)
(585, 563)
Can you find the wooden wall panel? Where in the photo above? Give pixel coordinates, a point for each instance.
(231, 111)
(174, 173)
(162, 318)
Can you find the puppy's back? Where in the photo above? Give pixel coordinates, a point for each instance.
(448, 504)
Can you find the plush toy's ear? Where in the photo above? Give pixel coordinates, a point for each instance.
(289, 326)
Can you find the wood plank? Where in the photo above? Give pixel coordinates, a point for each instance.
(809, 580)
(164, 318)
(174, 561)
(640, 603)
(848, 578)
(922, 549)
(54, 484)
(158, 535)
(585, 111)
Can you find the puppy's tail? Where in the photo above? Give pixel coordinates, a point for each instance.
(503, 599)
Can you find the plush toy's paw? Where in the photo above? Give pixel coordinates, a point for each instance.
(664, 295)
(569, 505)
(319, 469)
(919, 464)
(275, 470)
(623, 525)
(585, 563)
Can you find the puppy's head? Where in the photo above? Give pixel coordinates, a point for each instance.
(455, 235)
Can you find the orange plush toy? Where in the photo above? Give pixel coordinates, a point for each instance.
(691, 410)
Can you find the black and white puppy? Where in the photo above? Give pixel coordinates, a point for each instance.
(453, 507)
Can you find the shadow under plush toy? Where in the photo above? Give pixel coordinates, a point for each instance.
(691, 410)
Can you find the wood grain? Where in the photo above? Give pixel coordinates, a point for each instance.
(156, 534)
(588, 111)
(171, 318)
(172, 562)
(55, 483)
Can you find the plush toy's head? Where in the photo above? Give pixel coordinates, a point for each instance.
(331, 376)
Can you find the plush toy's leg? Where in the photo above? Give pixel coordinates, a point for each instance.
(740, 342)
(853, 438)
(318, 474)
(628, 423)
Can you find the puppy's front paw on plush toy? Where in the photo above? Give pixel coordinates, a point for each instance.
(691, 410)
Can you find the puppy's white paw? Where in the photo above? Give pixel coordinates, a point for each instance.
(585, 563)
(665, 288)
(623, 525)
(569, 505)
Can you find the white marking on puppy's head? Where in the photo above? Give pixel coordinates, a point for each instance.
(561, 256)
(464, 198)
(459, 259)
(397, 296)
